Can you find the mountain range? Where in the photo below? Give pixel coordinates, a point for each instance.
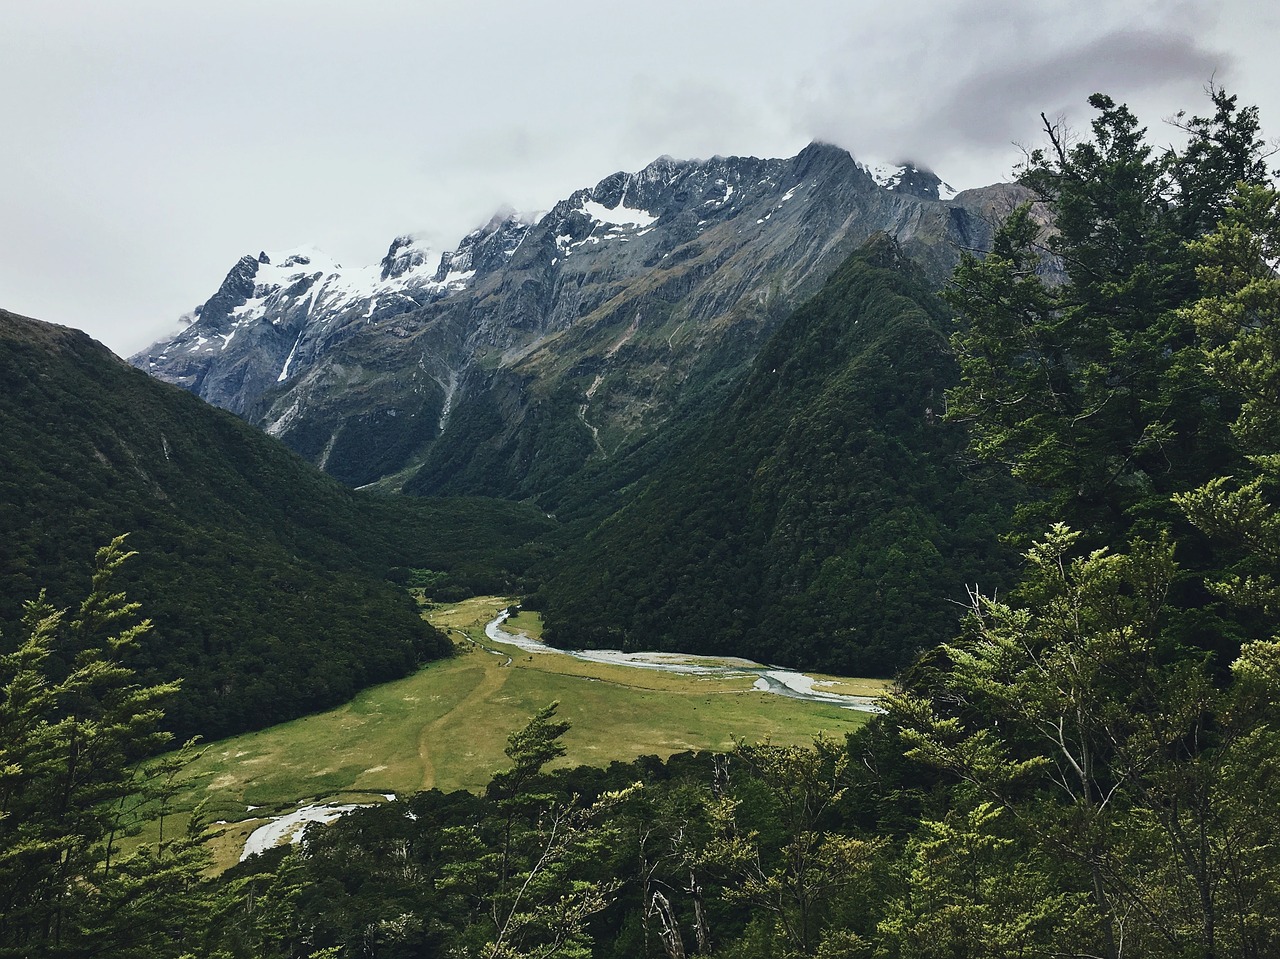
(722, 377)
(545, 342)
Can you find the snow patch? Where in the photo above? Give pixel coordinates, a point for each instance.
(457, 280)
(619, 216)
(887, 175)
(284, 373)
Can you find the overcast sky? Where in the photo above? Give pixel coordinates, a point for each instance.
(148, 144)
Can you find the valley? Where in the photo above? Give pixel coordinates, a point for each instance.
(616, 458)
(716, 379)
(445, 727)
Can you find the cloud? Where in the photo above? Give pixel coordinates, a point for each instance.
(983, 107)
(154, 142)
(973, 82)
(702, 117)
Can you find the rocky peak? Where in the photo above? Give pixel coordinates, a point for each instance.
(403, 255)
(910, 179)
(821, 158)
(612, 190)
(485, 250)
(660, 172)
(236, 290)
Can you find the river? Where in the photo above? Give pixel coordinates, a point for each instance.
(768, 679)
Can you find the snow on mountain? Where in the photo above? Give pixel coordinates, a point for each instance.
(619, 296)
(282, 308)
(310, 278)
(908, 178)
(885, 174)
(618, 217)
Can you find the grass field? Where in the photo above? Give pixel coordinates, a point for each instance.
(446, 727)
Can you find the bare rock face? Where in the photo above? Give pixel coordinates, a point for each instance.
(539, 344)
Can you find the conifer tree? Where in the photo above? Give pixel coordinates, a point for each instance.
(76, 729)
(1121, 392)
(1078, 369)
(1239, 320)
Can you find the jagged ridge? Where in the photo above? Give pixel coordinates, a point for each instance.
(540, 344)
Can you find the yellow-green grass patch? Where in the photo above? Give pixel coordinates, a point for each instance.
(446, 726)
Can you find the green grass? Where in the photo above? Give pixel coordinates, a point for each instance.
(446, 726)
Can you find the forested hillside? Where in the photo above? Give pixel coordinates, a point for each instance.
(827, 517)
(267, 580)
(1086, 767)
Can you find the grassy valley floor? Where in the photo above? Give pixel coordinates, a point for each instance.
(446, 726)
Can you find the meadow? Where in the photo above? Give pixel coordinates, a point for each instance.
(446, 726)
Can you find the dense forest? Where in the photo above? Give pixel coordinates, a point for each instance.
(1086, 766)
(277, 591)
(826, 517)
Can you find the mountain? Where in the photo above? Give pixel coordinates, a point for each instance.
(544, 343)
(267, 580)
(824, 516)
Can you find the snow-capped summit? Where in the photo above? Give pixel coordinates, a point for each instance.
(285, 304)
(579, 328)
(485, 250)
(908, 178)
(405, 254)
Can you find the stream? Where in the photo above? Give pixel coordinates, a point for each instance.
(768, 679)
(289, 827)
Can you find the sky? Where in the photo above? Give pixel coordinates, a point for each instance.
(146, 145)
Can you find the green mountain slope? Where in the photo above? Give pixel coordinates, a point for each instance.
(824, 517)
(266, 579)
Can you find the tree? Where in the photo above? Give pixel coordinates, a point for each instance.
(524, 876)
(1222, 152)
(1084, 709)
(972, 883)
(1114, 751)
(76, 729)
(1089, 386)
(1239, 320)
(794, 867)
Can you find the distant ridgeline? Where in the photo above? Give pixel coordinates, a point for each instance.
(825, 516)
(266, 580)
